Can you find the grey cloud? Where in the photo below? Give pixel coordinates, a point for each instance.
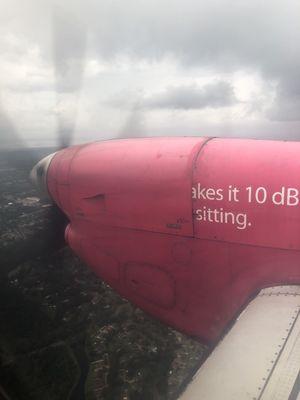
(287, 105)
(218, 35)
(193, 97)
(215, 35)
(222, 35)
(285, 109)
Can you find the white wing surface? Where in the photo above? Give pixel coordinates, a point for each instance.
(259, 358)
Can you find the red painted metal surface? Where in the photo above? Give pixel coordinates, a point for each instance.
(189, 229)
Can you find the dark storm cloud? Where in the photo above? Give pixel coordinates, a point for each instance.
(193, 97)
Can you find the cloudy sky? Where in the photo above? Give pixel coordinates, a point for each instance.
(99, 69)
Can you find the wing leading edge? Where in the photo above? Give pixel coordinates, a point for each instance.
(259, 358)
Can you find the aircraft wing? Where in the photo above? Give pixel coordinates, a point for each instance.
(259, 358)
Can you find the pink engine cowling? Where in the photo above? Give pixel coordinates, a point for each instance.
(189, 229)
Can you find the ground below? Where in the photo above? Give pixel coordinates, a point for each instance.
(64, 334)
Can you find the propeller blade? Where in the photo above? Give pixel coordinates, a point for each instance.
(134, 125)
(69, 47)
(11, 140)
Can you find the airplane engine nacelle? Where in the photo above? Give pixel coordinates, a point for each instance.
(189, 229)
